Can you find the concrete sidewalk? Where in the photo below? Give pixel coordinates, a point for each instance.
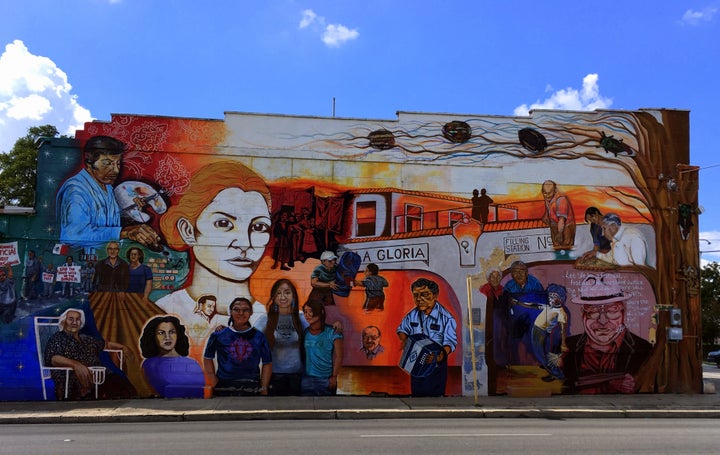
(360, 407)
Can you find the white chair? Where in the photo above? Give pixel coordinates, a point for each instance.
(46, 327)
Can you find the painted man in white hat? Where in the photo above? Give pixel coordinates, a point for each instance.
(322, 279)
(607, 356)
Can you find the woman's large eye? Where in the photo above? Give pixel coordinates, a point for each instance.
(223, 223)
(259, 228)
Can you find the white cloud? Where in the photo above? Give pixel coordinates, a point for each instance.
(333, 35)
(33, 92)
(692, 17)
(586, 99)
(308, 17)
(31, 107)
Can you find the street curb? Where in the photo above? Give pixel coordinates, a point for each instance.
(355, 414)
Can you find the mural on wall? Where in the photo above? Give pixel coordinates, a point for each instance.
(425, 256)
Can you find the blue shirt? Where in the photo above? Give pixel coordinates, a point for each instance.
(238, 353)
(139, 277)
(32, 267)
(439, 325)
(319, 352)
(7, 291)
(374, 285)
(532, 284)
(88, 215)
(175, 377)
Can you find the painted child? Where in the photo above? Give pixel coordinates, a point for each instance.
(373, 284)
(552, 316)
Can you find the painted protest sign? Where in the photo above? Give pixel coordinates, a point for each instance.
(9, 254)
(68, 274)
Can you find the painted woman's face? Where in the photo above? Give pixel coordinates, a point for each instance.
(594, 218)
(73, 322)
(310, 317)
(166, 337)
(232, 233)
(494, 279)
(283, 296)
(134, 256)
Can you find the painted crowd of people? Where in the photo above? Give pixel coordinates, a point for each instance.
(530, 324)
(223, 223)
(211, 336)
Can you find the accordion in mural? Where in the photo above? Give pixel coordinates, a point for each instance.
(418, 348)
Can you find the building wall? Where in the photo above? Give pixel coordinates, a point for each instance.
(415, 175)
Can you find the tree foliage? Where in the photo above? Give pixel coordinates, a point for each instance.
(18, 168)
(710, 302)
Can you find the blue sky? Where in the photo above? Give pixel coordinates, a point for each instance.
(66, 62)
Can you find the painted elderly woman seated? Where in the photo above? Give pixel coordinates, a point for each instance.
(166, 367)
(69, 348)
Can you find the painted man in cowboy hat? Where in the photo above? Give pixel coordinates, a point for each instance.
(607, 357)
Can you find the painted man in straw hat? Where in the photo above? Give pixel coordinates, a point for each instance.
(607, 357)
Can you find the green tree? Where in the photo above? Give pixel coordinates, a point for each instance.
(18, 168)
(710, 302)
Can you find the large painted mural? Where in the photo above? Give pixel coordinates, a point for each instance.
(433, 254)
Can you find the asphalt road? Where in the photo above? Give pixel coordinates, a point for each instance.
(400, 436)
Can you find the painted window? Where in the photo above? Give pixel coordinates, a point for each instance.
(366, 218)
(455, 217)
(413, 218)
